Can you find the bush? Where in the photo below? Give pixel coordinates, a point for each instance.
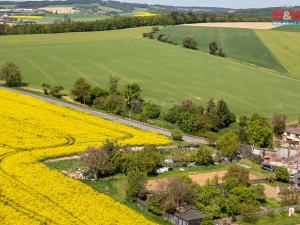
(146, 160)
(249, 213)
(55, 91)
(189, 42)
(111, 103)
(153, 203)
(162, 38)
(11, 74)
(203, 156)
(177, 135)
(136, 183)
(282, 174)
(151, 110)
(239, 173)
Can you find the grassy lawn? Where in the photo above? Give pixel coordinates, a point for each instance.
(166, 73)
(276, 220)
(66, 165)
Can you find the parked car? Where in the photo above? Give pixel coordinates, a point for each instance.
(268, 167)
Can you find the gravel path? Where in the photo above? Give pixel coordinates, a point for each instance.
(128, 122)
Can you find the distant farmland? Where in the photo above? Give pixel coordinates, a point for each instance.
(166, 73)
(238, 43)
(271, 49)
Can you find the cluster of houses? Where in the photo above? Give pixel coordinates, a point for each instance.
(287, 155)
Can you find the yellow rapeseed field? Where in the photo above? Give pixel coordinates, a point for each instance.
(142, 14)
(26, 17)
(32, 130)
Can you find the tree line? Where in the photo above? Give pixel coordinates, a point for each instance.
(61, 26)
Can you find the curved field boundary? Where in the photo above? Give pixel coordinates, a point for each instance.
(31, 193)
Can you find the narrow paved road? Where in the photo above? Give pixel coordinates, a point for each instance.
(128, 122)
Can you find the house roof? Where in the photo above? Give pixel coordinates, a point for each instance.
(190, 213)
(293, 130)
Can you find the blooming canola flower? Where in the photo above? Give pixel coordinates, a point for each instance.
(33, 130)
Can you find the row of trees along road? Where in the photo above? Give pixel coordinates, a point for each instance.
(191, 118)
(128, 102)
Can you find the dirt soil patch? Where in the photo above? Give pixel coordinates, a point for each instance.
(201, 178)
(271, 192)
(198, 178)
(246, 25)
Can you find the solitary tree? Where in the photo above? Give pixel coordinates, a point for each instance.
(81, 91)
(132, 95)
(213, 48)
(189, 42)
(46, 88)
(11, 74)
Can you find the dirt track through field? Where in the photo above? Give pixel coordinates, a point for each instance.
(246, 25)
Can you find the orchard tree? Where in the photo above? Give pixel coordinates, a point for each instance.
(228, 145)
(11, 74)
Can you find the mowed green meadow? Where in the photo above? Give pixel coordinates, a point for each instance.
(166, 73)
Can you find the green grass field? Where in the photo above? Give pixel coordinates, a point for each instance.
(276, 220)
(50, 18)
(285, 46)
(166, 73)
(290, 28)
(239, 44)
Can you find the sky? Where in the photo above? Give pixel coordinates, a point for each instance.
(222, 3)
(217, 3)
